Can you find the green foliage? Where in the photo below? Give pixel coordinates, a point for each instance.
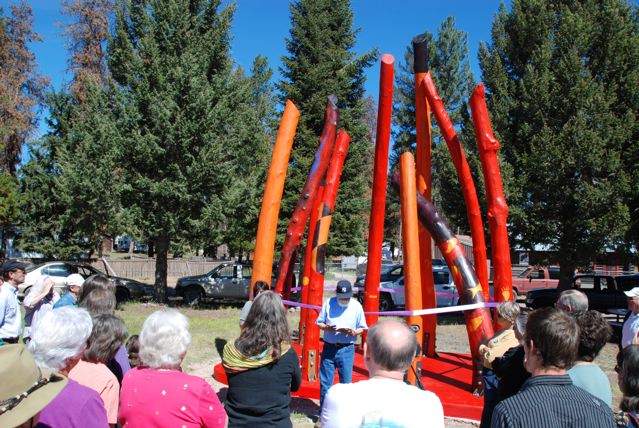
(450, 69)
(562, 79)
(320, 62)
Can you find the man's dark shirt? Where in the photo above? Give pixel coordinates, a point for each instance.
(510, 370)
(552, 402)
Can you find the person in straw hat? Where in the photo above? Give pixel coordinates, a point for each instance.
(25, 389)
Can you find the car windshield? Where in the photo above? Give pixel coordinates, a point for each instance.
(34, 267)
(441, 277)
(524, 273)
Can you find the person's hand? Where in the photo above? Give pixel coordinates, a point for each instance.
(348, 331)
(48, 286)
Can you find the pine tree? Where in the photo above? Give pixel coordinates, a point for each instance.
(562, 78)
(171, 60)
(87, 33)
(21, 86)
(450, 68)
(320, 62)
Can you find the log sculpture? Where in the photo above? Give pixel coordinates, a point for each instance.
(478, 324)
(410, 250)
(497, 207)
(423, 168)
(296, 227)
(465, 177)
(310, 347)
(267, 226)
(380, 179)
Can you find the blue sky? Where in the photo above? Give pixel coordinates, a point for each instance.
(261, 26)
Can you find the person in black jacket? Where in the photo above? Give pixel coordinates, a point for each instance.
(262, 367)
(509, 368)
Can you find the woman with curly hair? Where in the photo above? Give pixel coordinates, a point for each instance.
(594, 332)
(262, 367)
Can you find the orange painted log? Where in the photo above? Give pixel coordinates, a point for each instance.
(497, 207)
(380, 182)
(306, 273)
(296, 227)
(423, 168)
(267, 226)
(473, 211)
(410, 251)
(310, 347)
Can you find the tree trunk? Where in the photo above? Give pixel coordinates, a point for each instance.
(131, 246)
(161, 268)
(3, 249)
(151, 250)
(566, 274)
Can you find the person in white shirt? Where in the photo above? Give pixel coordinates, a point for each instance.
(383, 400)
(13, 273)
(631, 324)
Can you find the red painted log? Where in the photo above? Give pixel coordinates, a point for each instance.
(473, 211)
(306, 273)
(497, 207)
(478, 324)
(380, 178)
(297, 224)
(310, 348)
(423, 176)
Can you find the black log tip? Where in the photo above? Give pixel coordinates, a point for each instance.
(420, 53)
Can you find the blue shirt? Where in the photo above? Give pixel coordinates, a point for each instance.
(591, 378)
(10, 317)
(68, 299)
(351, 316)
(551, 402)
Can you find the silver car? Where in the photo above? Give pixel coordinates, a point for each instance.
(392, 293)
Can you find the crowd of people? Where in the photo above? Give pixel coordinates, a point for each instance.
(75, 365)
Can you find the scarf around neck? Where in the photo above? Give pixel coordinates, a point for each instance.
(234, 361)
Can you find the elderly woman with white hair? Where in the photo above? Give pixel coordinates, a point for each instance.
(158, 393)
(58, 344)
(38, 301)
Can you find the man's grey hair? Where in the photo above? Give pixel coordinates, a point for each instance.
(61, 335)
(572, 301)
(164, 339)
(389, 354)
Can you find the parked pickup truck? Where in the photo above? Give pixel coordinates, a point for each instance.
(228, 281)
(535, 277)
(605, 292)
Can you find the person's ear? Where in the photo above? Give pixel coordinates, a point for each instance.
(365, 351)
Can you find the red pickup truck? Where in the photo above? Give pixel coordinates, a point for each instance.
(535, 277)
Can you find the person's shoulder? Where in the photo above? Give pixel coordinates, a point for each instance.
(342, 391)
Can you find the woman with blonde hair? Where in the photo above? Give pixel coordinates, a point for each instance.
(502, 341)
(262, 360)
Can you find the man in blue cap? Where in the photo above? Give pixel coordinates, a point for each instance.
(13, 273)
(342, 320)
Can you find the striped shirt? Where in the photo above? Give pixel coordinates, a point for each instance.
(552, 402)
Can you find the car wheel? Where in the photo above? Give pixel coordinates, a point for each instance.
(385, 303)
(122, 294)
(193, 295)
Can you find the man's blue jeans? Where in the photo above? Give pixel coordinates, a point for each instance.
(335, 357)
